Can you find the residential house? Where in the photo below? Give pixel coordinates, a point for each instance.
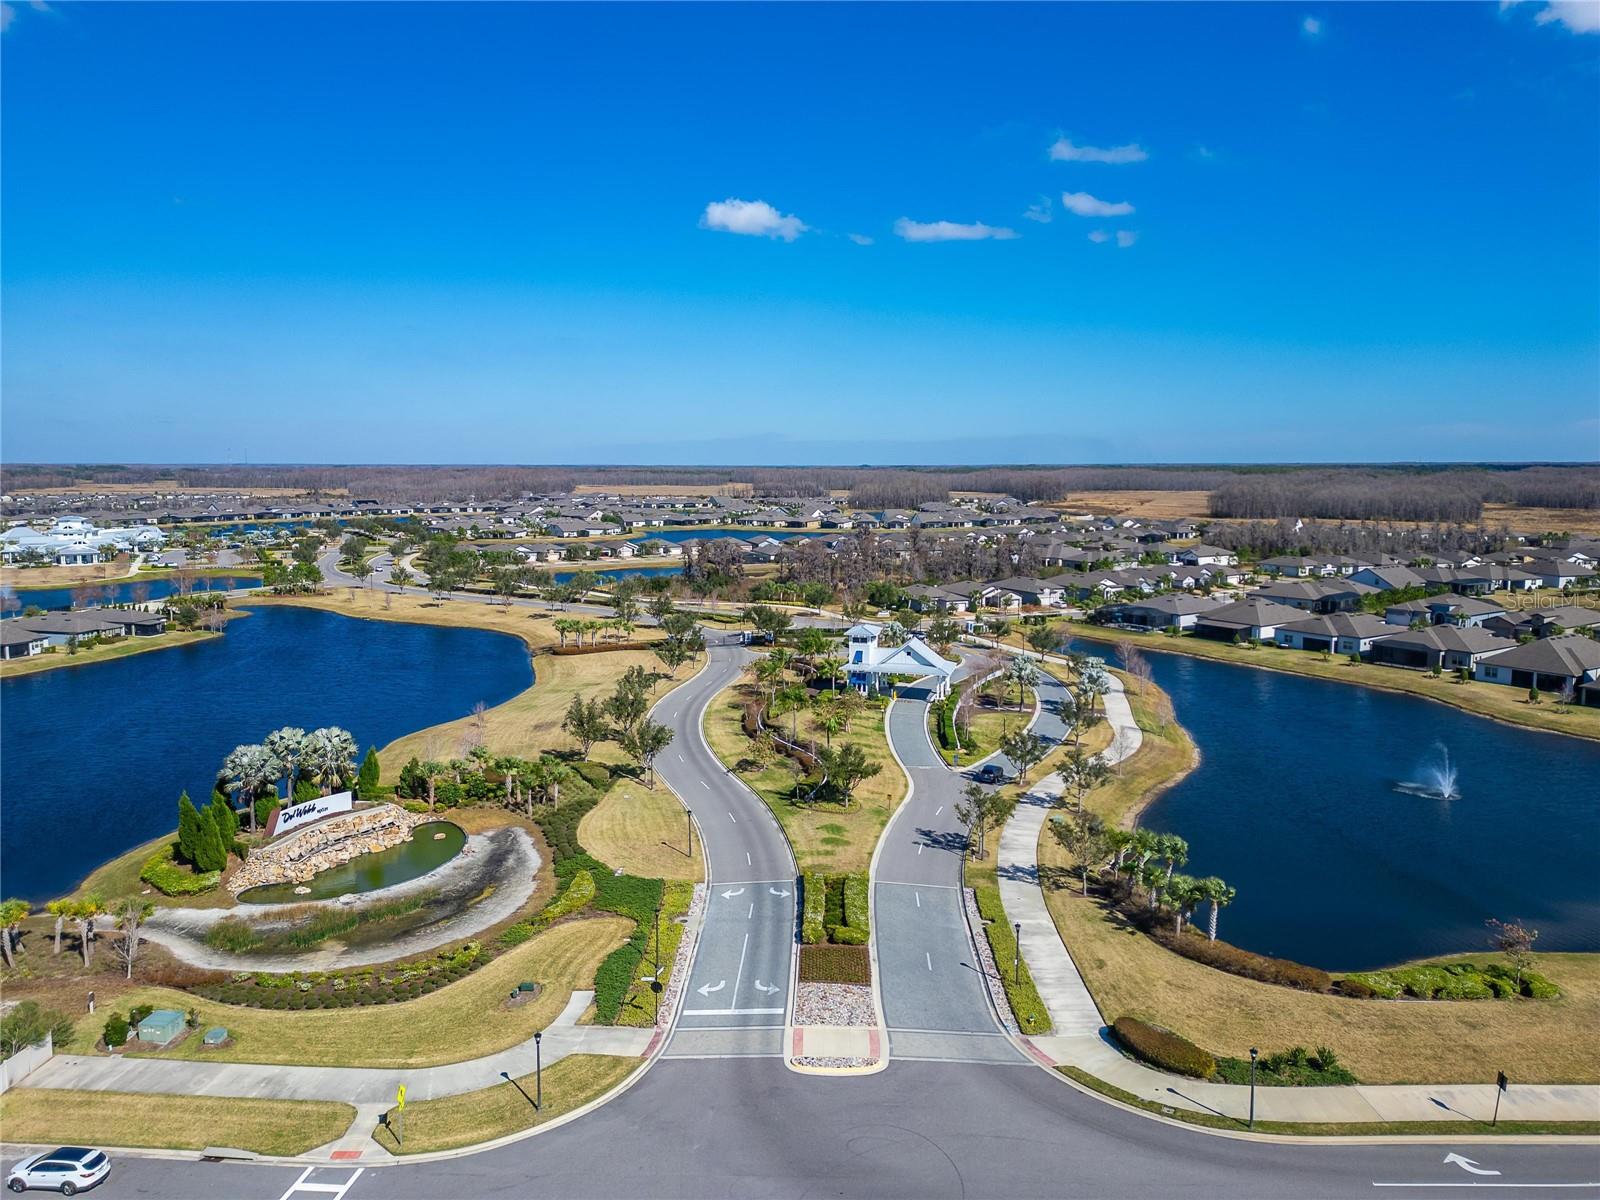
(1175, 611)
(1338, 632)
(1554, 664)
(1448, 608)
(1207, 556)
(1246, 620)
(18, 641)
(1317, 595)
(1449, 647)
(1544, 622)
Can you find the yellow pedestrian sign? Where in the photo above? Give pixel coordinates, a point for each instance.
(400, 1100)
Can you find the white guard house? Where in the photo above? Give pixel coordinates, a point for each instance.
(869, 662)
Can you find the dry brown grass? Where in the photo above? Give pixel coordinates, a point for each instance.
(1554, 1041)
(1156, 505)
(52, 1116)
(48, 577)
(473, 1117)
(123, 647)
(642, 831)
(460, 1021)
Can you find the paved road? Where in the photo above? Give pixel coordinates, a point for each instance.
(739, 985)
(738, 1128)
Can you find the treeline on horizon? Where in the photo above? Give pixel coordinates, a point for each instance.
(1401, 492)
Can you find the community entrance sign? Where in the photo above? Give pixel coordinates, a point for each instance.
(295, 816)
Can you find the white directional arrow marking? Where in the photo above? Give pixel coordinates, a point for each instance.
(705, 989)
(778, 892)
(1468, 1165)
(769, 988)
(730, 893)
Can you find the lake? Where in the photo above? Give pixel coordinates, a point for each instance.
(92, 758)
(1298, 804)
(124, 593)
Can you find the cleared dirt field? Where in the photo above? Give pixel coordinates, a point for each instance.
(1542, 520)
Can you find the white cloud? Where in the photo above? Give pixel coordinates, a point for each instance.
(1084, 205)
(1579, 16)
(1099, 235)
(1204, 153)
(1311, 27)
(860, 239)
(754, 217)
(1126, 238)
(950, 231)
(1123, 237)
(1066, 150)
(7, 15)
(1039, 211)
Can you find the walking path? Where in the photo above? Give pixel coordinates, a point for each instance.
(353, 1085)
(1081, 1040)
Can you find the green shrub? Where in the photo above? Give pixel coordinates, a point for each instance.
(1537, 987)
(835, 964)
(1021, 993)
(27, 1023)
(1295, 1067)
(1355, 989)
(857, 908)
(1162, 1048)
(847, 935)
(116, 1031)
(515, 935)
(814, 894)
(171, 879)
(833, 907)
(578, 894)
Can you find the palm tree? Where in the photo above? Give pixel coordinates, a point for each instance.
(285, 745)
(249, 770)
(83, 914)
(12, 913)
(1118, 843)
(431, 772)
(1220, 895)
(1183, 892)
(1154, 879)
(829, 720)
(1172, 850)
(61, 910)
(1024, 674)
(329, 754)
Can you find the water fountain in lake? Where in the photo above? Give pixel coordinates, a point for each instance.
(1438, 779)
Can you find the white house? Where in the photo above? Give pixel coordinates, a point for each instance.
(867, 663)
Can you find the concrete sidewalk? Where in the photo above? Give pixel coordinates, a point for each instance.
(1080, 1039)
(353, 1085)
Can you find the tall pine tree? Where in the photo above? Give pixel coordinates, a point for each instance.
(211, 852)
(189, 832)
(367, 778)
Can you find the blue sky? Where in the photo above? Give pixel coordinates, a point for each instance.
(503, 233)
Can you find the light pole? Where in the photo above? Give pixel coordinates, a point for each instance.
(688, 814)
(1016, 954)
(538, 1074)
(655, 989)
(1253, 1053)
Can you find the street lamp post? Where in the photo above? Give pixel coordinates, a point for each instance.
(689, 817)
(1016, 954)
(1253, 1053)
(538, 1074)
(656, 990)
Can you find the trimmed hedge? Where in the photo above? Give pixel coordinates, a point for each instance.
(856, 907)
(835, 964)
(579, 892)
(1243, 962)
(161, 872)
(1162, 1048)
(814, 894)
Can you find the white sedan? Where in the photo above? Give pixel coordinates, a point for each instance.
(68, 1170)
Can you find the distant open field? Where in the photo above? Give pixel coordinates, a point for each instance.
(50, 577)
(1540, 520)
(1157, 505)
(172, 485)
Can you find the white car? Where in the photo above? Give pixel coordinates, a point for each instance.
(68, 1170)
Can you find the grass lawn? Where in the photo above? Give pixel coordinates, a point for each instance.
(642, 831)
(1336, 1129)
(986, 725)
(825, 836)
(1550, 1041)
(122, 647)
(460, 1021)
(51, 1116)
(528, 722)
(473, 1117)
(1486, 699)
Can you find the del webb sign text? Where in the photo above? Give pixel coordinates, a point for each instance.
(296, 815)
